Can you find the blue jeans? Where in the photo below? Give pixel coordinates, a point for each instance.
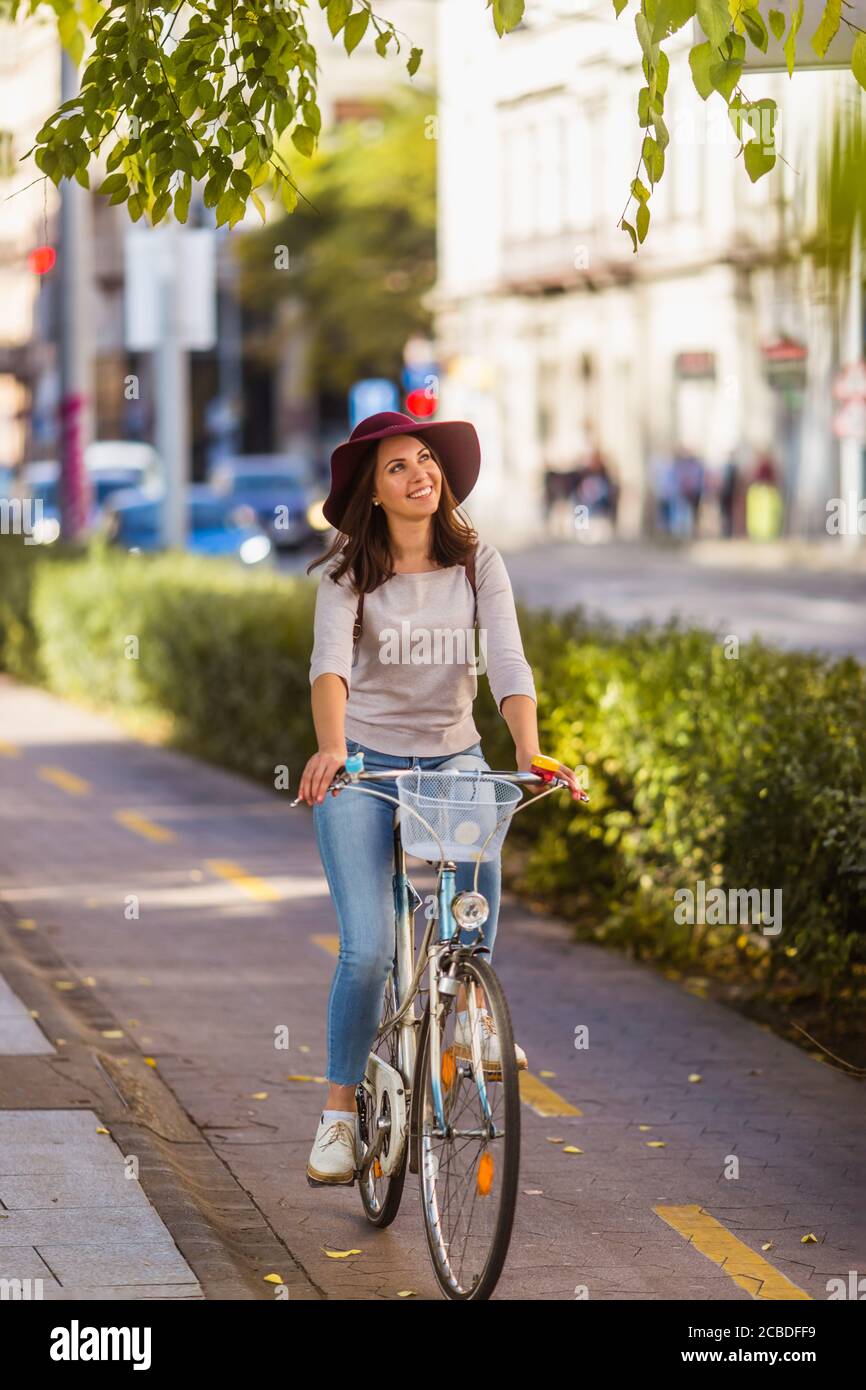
(355, 835)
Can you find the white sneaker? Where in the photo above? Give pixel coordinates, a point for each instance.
(334, 1155)
(490, 1054)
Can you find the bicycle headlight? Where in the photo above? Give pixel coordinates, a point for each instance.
(470, 909)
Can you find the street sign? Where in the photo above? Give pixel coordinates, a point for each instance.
(182, 259)
(850, 384)
(850, 421)
(695, 366)
(422, 378)
(369, 397)
(785, 363)
(838, 53)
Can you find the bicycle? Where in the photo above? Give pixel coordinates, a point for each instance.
(428, 1100)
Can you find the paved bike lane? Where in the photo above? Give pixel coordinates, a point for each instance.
(170, 926)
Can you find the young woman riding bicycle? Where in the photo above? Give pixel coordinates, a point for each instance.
(403, 559)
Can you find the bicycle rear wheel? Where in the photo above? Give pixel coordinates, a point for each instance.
(381, 1194)
(468, 1173)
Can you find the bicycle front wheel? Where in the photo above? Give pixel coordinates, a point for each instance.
(468, 1169)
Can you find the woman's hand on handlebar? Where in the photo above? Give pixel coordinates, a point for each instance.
(565, 773)
(319, 773)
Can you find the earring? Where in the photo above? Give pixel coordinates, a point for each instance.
(376, 503)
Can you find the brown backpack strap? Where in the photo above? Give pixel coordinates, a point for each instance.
(470, 575)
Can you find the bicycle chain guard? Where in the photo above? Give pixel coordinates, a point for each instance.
(386, 1083)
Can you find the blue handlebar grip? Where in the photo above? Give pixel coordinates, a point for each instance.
(354, 763)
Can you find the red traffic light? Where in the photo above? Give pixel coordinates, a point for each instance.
(42, 259)
(419, 403)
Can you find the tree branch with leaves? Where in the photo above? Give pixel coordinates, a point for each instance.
(223, 92)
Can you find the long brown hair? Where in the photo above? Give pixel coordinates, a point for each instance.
(363, 547)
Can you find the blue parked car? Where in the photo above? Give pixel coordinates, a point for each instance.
(277, 489)
(41, 481)
(215, 526)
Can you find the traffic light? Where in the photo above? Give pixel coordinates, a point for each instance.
(42, 259)
(419, 403)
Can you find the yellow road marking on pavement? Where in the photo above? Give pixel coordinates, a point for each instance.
(747, 1268)
(331, 944)
(140, 825)
(67, 781)
(254, 887)
(8, 750)
(543, 1099)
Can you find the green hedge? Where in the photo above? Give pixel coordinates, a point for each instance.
(222, 656)
(746, 773)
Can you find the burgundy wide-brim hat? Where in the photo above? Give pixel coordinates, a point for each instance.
(455, 441)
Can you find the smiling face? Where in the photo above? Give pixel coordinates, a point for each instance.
(407, 482)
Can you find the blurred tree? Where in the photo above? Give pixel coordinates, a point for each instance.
(841, 187)
(362, 250)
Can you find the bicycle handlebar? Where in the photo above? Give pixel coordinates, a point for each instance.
(344, 778)
(391, 776)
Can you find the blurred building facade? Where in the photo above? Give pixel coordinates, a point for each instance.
(554, 336)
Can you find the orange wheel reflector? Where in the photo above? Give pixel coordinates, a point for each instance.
(484, 1177)
(449, 1069)
(377, 1168)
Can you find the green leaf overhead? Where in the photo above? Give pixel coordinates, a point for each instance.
(828, 28)
(670, 16)
(715, 19)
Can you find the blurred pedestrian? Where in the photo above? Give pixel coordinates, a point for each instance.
(560, 486)
(597, 493)
(664, 488)
(765, 504)
(689, 478)
(729, 482)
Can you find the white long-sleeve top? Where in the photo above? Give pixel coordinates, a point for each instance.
(415, 676)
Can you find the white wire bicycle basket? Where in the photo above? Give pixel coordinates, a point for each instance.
(465, 809)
